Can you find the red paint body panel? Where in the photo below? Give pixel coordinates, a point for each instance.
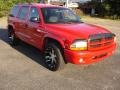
(35, 34)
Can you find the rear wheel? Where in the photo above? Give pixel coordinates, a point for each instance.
(53, 57)
(12, 38)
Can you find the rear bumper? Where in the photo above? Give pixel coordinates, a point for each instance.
(87, 57)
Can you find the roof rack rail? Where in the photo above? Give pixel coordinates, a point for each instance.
(29, 3)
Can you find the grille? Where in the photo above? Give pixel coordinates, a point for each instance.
(100, 41)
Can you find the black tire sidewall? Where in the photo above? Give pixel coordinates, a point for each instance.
(15, 41)
(58, 54)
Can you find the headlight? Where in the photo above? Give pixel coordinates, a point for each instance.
(115, 39)
(79, 45)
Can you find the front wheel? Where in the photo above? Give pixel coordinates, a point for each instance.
(53, 57)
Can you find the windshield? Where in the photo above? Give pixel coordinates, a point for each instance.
(59, 15)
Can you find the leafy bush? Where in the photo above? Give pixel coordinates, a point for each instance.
(5, 5)
(108, 8)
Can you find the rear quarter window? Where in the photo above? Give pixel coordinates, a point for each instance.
(14, 11)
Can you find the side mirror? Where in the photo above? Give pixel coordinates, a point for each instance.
(35, 19)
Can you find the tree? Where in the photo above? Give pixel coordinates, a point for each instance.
(6, 5)
(110, 8)
(113, 8)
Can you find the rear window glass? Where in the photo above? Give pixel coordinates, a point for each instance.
(23, 12)
(14, 11)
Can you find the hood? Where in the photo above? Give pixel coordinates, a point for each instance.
(82, 30)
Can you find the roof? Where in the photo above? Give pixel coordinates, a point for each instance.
(39, 5)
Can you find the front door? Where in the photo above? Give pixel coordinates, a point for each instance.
(35, 28)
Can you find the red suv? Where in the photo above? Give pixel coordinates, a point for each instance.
(59, 34)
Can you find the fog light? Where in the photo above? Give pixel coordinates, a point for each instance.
(81, 60)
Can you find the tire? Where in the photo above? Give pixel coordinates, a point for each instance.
(53, 57)
(12, 38)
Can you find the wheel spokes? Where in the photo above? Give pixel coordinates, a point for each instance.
(50, 57)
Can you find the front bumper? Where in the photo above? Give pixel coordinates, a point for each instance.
(87, 57)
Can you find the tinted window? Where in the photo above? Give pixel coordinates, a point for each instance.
(34, 13)
(14, 11)
(23, 12)
(59, 15)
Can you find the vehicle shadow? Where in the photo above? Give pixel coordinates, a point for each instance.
(24, 48)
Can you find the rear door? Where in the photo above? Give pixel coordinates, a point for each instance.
(22, 23)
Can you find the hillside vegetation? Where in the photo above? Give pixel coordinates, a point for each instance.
(5, 5)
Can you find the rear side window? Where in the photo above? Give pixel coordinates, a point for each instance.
(14, 11)
(23, 12)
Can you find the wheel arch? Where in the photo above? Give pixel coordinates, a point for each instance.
(53, 40)
(10, 27)
(58, 43)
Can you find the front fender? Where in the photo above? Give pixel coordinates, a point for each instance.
(56, 37)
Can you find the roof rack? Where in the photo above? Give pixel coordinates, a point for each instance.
(29, 3)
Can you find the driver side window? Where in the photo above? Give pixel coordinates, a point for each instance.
(34, 14)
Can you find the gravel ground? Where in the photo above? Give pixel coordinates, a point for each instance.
(21, 67)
